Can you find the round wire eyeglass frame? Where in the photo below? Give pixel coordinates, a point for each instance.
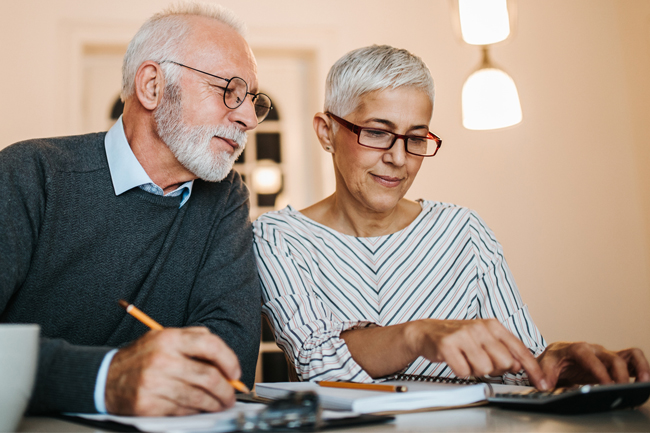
(356, 129)
(261, 110)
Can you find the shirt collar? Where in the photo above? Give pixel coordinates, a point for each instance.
(126, 171)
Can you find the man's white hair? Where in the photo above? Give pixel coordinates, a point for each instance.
(368, 69)
(162, 37)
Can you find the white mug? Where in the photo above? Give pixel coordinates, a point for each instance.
(18, 361)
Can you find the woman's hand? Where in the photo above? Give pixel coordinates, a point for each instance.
(579, 363)
(470, 348)
(485, 347)
(474, 348)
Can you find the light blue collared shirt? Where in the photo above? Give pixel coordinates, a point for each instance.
(127, 173)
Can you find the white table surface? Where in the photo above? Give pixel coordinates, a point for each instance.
(477, 419)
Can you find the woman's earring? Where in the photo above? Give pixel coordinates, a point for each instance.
(328, 148)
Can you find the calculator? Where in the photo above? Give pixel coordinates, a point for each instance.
(576, 399)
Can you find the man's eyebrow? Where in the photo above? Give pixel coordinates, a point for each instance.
(393, 126)
(253, 89)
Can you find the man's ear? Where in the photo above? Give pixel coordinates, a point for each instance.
(323, 128)
(149, 84)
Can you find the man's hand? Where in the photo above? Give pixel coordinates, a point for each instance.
(476, 348)
(580, 363)
(172, 372)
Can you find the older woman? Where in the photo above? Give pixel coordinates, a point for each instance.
(366, 283)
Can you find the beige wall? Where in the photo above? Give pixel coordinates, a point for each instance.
(567, 191)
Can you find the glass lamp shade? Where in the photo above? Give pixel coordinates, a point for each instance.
(484, 22)
(490, 100)
(267, 177)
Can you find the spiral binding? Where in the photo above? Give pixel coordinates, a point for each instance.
(437, 379)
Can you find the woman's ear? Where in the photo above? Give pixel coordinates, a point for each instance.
(323, 128)
(149, 84)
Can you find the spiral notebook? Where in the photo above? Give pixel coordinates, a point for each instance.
(433, 393)
(421, 395)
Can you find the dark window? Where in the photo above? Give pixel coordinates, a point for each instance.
(268, 146)
(267, 200)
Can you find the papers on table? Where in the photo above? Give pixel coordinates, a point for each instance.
(218, 422)
(227, 421)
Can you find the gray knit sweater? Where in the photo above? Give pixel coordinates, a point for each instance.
(70, 249)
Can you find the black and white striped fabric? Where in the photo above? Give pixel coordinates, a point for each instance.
(317, 282)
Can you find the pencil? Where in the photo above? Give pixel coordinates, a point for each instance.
(366, 386)
(138, 314)
(152, 324)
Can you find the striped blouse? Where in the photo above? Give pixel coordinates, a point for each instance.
(317, 283)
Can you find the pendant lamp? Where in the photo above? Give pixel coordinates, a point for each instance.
(490, 99)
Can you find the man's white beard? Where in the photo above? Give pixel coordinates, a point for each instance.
(191, 144)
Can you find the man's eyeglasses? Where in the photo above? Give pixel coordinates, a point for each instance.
(235, 93)
(425, 145)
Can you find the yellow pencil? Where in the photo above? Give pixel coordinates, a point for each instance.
(152, 324)
(138, 314)
(365, 386)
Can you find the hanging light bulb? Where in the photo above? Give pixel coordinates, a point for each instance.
(484, 22)
(490, 99)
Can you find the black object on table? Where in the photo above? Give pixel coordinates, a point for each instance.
(578, 399)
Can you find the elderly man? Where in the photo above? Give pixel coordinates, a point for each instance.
(150, 212)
